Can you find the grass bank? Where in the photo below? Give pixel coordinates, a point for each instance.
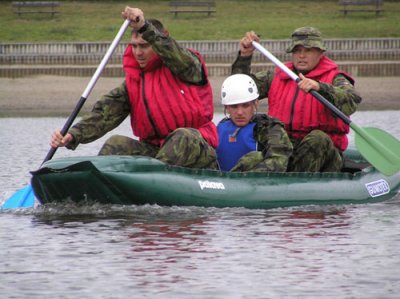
(99, 20)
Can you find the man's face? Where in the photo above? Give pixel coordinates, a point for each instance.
(241, 114)
(306, 59)
(142, 50)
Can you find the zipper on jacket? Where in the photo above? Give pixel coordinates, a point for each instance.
(146, 104)
(292, 109)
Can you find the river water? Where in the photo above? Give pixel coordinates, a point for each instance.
(105, 251)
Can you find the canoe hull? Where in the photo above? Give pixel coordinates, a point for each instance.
(140, 180)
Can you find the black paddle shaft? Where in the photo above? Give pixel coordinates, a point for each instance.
(90, 86)
(330, 106)
(66, 127)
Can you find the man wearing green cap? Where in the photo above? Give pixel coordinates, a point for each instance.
(319, 138)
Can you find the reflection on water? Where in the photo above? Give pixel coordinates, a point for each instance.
(108, 251)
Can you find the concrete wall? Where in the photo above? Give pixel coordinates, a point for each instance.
(360, 57)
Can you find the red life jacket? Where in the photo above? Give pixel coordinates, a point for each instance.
(161, 102)
(300, 111)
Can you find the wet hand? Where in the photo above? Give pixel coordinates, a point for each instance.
(306, 84)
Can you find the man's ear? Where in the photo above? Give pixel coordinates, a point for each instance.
(256, 103)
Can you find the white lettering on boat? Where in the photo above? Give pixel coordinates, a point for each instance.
(211, 185)
(378, 188)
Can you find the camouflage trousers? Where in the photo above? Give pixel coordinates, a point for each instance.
(184, 147)
(255, 161)
(315, 153)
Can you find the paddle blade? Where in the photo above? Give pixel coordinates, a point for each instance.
(23, 198)
(379, 148)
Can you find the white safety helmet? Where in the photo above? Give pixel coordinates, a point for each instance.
(237, 89)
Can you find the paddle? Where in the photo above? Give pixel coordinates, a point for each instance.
(24, 197)
(378, 147)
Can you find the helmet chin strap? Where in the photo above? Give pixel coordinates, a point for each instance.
(255, 106)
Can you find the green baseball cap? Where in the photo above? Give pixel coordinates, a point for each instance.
(308, 37)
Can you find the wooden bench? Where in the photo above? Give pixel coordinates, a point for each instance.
(361, 6)
(27, 7)
(192, 7)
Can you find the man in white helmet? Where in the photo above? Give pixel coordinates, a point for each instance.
(249, 141)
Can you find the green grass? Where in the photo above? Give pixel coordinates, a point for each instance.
(273, 19)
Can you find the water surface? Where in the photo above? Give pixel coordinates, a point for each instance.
(110, 251)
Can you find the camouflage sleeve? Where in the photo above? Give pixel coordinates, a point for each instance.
(107, 114)
(182, 62)
(274, 143)
(263, 79)
(342, 94)
(242, 65)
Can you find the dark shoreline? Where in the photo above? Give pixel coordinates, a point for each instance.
(42, 96)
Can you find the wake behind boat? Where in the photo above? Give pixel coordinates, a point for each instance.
(137, 180)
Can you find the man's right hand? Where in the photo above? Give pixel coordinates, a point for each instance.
(58, 140)
(135, 15)
(246, 46)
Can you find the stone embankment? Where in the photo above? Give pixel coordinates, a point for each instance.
(46, 79)
(360, 57)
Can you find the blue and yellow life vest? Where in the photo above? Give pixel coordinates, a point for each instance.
(234, 142)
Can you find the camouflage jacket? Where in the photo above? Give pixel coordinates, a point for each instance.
(112, 108)
(340, 93)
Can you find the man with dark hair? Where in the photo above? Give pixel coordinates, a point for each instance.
(318, 137)
(169, 99)
(249, 141)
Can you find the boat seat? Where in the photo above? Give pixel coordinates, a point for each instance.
(354, 166)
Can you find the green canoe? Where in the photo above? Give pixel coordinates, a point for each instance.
(140, 180)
